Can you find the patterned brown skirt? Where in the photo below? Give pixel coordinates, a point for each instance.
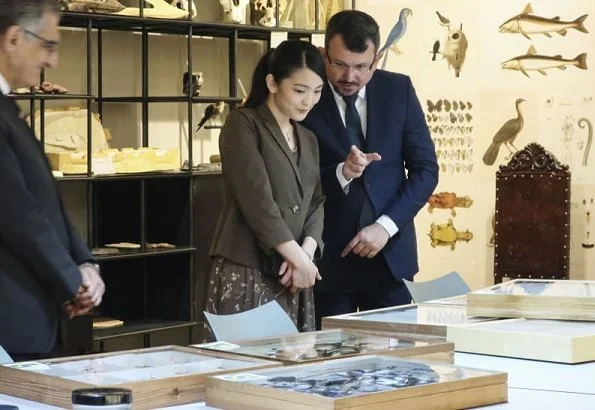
(236, 288)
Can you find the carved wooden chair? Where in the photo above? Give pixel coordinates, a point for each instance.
(532, 223)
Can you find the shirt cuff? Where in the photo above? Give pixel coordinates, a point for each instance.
(388, 225)
(344, 182)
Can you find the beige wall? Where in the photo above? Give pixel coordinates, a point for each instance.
(493, 92)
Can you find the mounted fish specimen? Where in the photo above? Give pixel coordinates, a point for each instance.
(537, 62)
(526, 23)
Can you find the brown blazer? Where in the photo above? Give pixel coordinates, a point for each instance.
(268, 198)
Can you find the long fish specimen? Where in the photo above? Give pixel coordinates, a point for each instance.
(535, 62)
(525, 23)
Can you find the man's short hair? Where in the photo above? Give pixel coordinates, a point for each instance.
(26, 13)
(356, 28)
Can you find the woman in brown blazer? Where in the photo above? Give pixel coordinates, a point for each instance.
(270, 228)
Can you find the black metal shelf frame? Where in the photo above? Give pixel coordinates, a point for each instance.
(95, 25)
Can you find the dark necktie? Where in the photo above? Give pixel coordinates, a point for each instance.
(353, 122)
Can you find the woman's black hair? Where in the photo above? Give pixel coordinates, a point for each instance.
(289, 56)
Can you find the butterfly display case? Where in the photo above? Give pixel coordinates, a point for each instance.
(428, 319)
(548, 340)
(363, 382)
(536, 299)
(158, 377)
(333, 344)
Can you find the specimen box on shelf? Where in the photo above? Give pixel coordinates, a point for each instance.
(334, 344)
(536, 299)
(158, 377)
(362, 382)
(538, 339)
(426, 319)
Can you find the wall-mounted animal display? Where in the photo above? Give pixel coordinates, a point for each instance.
(448, 200)
(455, 45)
(505, 135)
(447, 235)
(396, 33)
(234, 11)
(192, 83)
(531, 61)
(451, 128)
(526, 23)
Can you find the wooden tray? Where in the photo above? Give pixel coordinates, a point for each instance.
(536, 299)
(334, 344)
(548, 340)
(424, 319)
(158, 377)
(363, 382)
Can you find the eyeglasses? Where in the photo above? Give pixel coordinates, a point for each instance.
(344, 68)
(49, 45)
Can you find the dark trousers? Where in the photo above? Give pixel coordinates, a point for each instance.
(377, 289)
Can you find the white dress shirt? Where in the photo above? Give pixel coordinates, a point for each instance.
(5, 87)
(362, 109)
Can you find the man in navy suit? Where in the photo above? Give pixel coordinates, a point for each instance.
(378, 167)
(46, 270)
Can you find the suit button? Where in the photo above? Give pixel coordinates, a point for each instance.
(295, 209)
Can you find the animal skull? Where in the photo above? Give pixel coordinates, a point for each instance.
(234, 10)
(262, 13)
(184, 5)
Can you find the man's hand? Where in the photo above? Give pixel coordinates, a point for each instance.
(92, 282)
(368, 242)
(357, 161)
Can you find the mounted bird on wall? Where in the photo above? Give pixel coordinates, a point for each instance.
(505, 135)
(212, 112)
(396, 33)
(455, 45)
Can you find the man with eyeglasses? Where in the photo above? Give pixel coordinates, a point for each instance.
(378, 168)
(46, 271)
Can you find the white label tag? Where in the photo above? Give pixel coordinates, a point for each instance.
(30, 366)
(103, 166)
(218, 346)
(318, 40)
(242, 377)
(277, 37)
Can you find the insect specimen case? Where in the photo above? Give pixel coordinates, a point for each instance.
(158, 377)
(424, 319)
(332, 344)
(363, 382)
(548, 340)
(537, 299)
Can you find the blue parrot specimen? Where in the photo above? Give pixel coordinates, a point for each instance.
(396, 33)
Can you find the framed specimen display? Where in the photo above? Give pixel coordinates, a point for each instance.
(548, 340)
(460, 300)
(425, 319)
(333, 344)
(158, 377)
(536, 299)
(363, 382)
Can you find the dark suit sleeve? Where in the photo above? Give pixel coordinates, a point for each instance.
(420, 161)
(26, 230)
(328, 176)
(78, 248)
(245, 173)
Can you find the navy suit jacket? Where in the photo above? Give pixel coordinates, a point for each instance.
(397, 186)
(39, 248)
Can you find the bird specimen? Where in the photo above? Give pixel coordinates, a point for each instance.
(213, 111)
(443, 20)
(396, 34)
(505, 135)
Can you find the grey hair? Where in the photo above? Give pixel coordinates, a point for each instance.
(25, 13)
